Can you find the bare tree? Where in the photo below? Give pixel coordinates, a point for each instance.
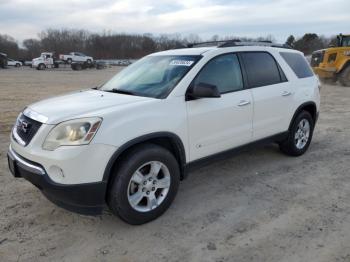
(108, 45)
(9, 46)
(310, 42)
(33, 48)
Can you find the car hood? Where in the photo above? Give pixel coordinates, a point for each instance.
(79, 104)
(37, 59)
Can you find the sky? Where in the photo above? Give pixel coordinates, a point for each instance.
(24, 19)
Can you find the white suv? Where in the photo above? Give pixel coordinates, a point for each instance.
(129, 142)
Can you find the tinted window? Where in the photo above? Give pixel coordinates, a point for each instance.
(224, 72)
(283, 76)
(261, 69)
(298, 64)
(346, 41)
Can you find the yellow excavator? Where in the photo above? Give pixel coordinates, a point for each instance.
(333, 64)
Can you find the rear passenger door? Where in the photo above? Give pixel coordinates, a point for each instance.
(218, 124)
(272, 94)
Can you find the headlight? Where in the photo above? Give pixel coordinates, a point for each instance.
(72, 133)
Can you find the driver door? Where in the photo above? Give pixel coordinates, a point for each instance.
(48, 60)
(219, 124)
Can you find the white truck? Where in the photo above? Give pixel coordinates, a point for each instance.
(76, 57)
(46, 60)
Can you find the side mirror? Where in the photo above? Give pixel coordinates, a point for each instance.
(203, 90)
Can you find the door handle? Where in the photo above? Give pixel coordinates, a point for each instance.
(286, 93)
(243, 103)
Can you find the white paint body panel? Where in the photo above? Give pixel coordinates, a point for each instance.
(13, 62)
(272, 110)
(218, 124)
(79, 164)
(76, 58)
(205, 126)
(44, 58)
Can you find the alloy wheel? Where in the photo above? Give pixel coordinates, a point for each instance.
(149, 186)
(302, 134)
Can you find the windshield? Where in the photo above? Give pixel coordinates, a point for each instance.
(152, 76)
(346, 41)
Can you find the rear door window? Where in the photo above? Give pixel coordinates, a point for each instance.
(261, 69)
(298, 64)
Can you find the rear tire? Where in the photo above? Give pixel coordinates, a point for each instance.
(300, 135)
(344, 77)
(69, 61)
(145, 183)
(18, 65)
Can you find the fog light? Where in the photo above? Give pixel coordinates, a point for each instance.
(56, 173)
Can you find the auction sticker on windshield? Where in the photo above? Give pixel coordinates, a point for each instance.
(181, 63)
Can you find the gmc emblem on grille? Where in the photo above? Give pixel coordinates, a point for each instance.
(24, 126)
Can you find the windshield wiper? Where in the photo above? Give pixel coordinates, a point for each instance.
(121, 91)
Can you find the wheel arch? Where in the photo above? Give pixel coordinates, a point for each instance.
(168, 140)
(307, 106)
(39, 65)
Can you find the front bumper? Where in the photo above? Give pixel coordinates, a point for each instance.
(86, 198)
(324, 72)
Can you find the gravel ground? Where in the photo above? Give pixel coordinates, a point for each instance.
(257, 206)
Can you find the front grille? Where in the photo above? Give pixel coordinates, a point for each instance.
(25, 129)
(317, 58)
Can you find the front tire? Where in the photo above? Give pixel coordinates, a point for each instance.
(41, 67)
(145, 183)
(300, 135)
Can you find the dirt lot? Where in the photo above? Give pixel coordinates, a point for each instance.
(257, 206)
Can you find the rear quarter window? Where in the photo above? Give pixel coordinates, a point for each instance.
(298, 64)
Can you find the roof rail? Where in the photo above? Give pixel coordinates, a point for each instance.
(211, 43)
(254, 43)
(237, 42)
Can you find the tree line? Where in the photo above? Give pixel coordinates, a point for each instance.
(108, 45)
